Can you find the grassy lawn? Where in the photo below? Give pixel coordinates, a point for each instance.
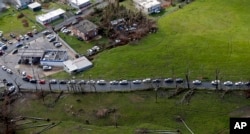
(10, 23)
(134, 110)
(200, 38)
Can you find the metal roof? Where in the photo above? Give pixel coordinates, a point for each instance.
(50, 15)
(34, 5)
(30, 52)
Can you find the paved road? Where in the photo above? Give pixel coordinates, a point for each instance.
(105, 88)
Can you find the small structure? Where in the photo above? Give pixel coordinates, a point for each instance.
(21, 4)
(85, 29)
(35, 6)
(54, 58)
(77, 65)
(148, 6)
(50, 16)
(78, 4)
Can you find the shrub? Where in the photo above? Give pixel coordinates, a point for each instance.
(20, 15)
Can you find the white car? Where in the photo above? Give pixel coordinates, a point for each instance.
(26, 36)
(147, 80)
(72, 82)
(228, 83)
(9, 71)
(240, 83)
(23, 73)
(215, 82)
(136, 82)
(1, 33)
(91, 82)
(47, 68)
(101, 82)
(114, 82)
(123, 82)
(21, 37)
(59, 44)
(196, 82)
(4, 68)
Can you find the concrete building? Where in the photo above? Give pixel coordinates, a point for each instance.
(50, 16)
(20, 4)
(77, 65)
(78, 4)
(85, 29)
(54, 58)
(35, 6)
(148, 6)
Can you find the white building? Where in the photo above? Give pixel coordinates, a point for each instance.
(77, 65)
(35, 6)
(22, 3)
(78, 4)
(50, 16)
(148, 6)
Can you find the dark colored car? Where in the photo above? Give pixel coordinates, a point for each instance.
(26, 79)
(179, 80)
(12, 35)
(15, 51)
(4, 39)
(30, 34)
(169, 80)
(62, 82)
(33, 81)
(9, 84)
(156, 81)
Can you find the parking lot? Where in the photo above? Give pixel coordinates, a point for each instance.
(38, 42)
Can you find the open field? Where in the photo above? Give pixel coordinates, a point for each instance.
(10, 23)
(200, 38)
(207, 112)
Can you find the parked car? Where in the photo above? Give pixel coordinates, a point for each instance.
(168, 80)
(52, 39)
(53, 81)
(34, 31)
(215, 82)
(1, 52)
(228, 83)
(101, 82)
(33, 81)
(114, 82)
(14, 51)
(42, 81)
(81, 82)
(78, 12)
(10, 42)
(156, 81)
(26, 79)
(12, 35)
(19, 44)
(23, 73)
(11, 90)
(123, 82)
(179, 80)
(72, 82)
(62, 82)
(9, 71)
(247, 83)
(30, 34)
(136, 81)
(47, 68)
(59, 44)
(4, 68)
(9, 84)
(21, 37)
(26, 36)
(147, 80)
(91, 82)
(4, 39)
(239, 83)
(196, 82)
(46, 32)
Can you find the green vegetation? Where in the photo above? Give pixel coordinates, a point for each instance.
(206, 113)
(10, 23)
(199, 38)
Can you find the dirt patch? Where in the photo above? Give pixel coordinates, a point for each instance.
(241, 112)
(136, 98)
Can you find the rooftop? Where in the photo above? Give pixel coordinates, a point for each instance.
(79, 2)
(85, 26)
(30, 52)
(147, 3)
(51, 14)
(34, 5)
(79, 63)
(54, 55)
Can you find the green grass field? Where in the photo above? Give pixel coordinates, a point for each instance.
(199, 38)
(206, 113)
